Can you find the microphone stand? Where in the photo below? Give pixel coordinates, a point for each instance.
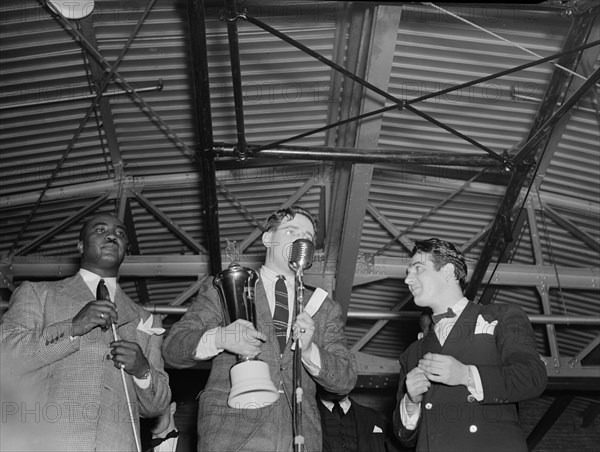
(297, 372)
(102, 293)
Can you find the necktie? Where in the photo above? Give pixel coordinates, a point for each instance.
(281, 312)
(102, 291)
(337, 410)
(154, 442)
(446, 315)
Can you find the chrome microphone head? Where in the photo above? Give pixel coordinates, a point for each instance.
(301, 255)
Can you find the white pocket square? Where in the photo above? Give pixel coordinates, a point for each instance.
(483, 327)
(377, 430)
(147, 328)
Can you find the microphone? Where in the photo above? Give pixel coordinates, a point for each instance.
(302, 253)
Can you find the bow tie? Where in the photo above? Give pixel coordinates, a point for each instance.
(445, 315)
(156, 441)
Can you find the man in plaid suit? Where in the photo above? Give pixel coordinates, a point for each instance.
(58, 336)
(202, 334)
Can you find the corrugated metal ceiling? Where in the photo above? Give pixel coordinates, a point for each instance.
(144, 151)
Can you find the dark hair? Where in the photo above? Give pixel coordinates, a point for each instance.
(441, 253)
(288, 213)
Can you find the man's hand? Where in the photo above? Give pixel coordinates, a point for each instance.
(417, 384)
(96, 313)
(444, 369)
(129, 357)
(303, 330)
(240, 338)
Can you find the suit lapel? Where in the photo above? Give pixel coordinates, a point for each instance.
(364, 425)
(72, 295)
(430, 344)
(129, 317)
(265, 321)
(127, 312)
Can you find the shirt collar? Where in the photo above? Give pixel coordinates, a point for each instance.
(91, 279)
(460, 306)
(344, 403)
(268, 275)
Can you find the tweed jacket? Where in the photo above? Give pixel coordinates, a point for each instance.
(221, 428)
(510, 369)
(80, 393)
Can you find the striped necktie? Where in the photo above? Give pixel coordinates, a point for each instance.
(281, 312)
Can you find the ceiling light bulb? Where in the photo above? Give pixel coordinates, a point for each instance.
(72, 9)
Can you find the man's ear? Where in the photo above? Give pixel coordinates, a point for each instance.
(267, 239)
(80, 247)
(448, 270)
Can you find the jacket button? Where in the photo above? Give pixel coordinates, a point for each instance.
(473, 428)
(428, 406)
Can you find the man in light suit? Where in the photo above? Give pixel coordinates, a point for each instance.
(60, 335)
(460, 383)
(202, 334)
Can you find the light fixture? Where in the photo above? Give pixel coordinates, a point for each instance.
(72, 9)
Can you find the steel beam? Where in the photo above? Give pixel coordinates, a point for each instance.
(358, 155)
(523, 162)
(36, 266)
(202, 110)
(547, 421)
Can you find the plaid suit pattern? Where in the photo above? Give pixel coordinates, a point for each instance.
(74, 377)
(223, 428)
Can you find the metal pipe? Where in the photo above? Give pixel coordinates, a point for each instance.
(396, 315)
(389, 315)
(236, 75)
(158, 87)
(202, 110)
(361, 155)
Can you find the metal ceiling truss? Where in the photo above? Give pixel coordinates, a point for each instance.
(354, 159)
(354, 154)
(535, 148)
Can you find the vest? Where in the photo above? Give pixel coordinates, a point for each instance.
(339, 436)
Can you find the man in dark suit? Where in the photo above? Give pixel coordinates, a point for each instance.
(59, 334)
(202, 334)
(349, 426)
(460, 383)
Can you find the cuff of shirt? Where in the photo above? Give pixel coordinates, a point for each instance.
(207, 348)
(409, 420)
(313, 363)
(143, 383)
(475, 386)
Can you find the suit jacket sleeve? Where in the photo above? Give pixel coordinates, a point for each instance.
(25, 338)
(339, 370)
(204, 314)
(408, 438)
(521, 374)
(154, 400)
